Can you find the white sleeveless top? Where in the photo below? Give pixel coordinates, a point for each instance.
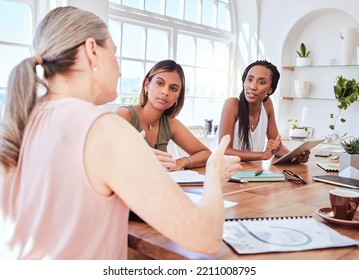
(258, 137)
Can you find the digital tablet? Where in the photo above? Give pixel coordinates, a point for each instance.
(338, 180)
(306, 146)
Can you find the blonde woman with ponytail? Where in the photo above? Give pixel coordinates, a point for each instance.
(70, 170)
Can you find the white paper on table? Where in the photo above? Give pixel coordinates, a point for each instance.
(196, 198)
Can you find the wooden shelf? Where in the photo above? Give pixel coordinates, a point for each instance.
(290, 98)
(293, 67)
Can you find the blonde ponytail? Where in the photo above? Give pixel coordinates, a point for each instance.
(56, 42)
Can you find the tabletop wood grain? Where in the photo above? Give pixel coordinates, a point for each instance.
(255, 199)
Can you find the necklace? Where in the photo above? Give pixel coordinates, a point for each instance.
(255, 122)
(150, 125)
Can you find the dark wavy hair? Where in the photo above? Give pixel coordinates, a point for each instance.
(160, 67)
(243, 116)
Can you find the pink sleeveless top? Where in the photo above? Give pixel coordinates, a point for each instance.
(57, 213)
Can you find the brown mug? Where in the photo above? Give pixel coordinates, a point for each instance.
(344, 203)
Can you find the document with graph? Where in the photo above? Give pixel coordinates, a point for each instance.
(281, 234)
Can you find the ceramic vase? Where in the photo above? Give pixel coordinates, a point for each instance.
(348, 38)
(208, 126)
(303, 61)
(302, 88)
(349, 166)
(299, 133)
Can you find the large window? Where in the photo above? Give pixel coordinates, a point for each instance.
(15, 41)
(195, 33)
(140, 52)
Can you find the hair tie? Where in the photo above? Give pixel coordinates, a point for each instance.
(39, 59)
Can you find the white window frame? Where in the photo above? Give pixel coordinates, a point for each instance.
(124, 14)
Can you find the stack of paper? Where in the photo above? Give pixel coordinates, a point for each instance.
(187, 177)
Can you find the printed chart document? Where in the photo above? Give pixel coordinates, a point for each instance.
(187, 177)
(281, 234)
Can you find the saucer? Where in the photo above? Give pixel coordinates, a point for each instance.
(327, 214)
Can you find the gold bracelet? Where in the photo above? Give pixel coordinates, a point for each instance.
(190, 162)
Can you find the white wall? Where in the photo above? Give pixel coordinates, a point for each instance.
(271, 29)
(283, 19)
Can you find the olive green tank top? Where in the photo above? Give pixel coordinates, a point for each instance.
(164, 133)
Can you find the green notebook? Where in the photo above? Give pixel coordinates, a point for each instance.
(265, 176)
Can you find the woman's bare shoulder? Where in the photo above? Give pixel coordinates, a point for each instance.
(124, 112)
(268, 106)
(231, 106)
(232, 101)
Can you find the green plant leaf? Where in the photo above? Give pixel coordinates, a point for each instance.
(346, 92)
(351, 147)
(302, 52)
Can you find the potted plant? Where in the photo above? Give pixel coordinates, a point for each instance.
(303, 59)
(349, 160)
(297, 130)
(346, 92)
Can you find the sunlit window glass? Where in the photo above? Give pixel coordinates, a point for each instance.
(221, 55)
(135, 38)
(10, 56)
(216, 106)
(223, 20)
(175, 8)
(193, 11)
(115, 31)
(209, 13)
(149, 65)
(189, 74)
(18, 17)
(133, 3)
(204, 54)
(157, 44)
(203, 110)
(186, 50)
(132, 76)
(187, 112)
(183, 31)
(203, 83)
(155, 6)
(219, 83)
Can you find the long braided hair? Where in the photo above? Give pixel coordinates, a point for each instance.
(243, 116)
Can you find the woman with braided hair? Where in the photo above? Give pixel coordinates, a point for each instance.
(250, 118)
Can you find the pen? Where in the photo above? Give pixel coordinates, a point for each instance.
(259, 172)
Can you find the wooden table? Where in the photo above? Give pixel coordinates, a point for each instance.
(262, 199)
